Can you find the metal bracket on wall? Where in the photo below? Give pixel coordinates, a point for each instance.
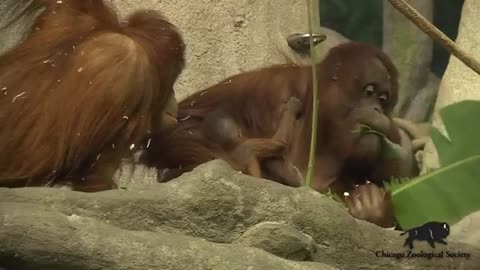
(301, 42)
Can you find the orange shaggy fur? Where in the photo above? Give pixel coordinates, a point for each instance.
(80, 89)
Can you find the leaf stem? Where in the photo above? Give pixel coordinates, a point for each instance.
(419, 179)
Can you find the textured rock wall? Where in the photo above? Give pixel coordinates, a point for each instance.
(212, 218)
(229, 36)
(459, 82)
(223, 37)
(411, 51)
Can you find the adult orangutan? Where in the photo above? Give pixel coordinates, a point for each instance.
(82, 91)
(357, 86)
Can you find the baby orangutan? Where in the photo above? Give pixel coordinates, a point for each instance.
(357, 86)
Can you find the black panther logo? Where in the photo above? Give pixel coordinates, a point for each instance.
(431, 232)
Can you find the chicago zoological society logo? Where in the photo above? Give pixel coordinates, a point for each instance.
(431, 232)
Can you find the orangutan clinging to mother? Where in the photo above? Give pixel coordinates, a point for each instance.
(357, 86)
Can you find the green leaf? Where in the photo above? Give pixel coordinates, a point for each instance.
(463, 133)
(446, 195)
(451, 192)
(389, 148)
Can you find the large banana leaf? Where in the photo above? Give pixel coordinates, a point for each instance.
(463, 131)
(451, 192)
(447, 194)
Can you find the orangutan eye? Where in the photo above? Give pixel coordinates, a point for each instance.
(383, 97)
(369, 90)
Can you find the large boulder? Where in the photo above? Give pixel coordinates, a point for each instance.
(210, 218)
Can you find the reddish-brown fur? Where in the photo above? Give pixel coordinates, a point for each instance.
(254, 100)
(80, 89)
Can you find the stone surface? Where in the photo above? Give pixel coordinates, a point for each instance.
(468, 229)
(131, 173)
(226, 37)
(420, 108)
(279, 239)
(43, 238)
(411, 51)
(9, 36)
(459, 82)
(223, 38)
(212, 217)
(333, 39)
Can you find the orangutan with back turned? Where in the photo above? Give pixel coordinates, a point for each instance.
(82, 91)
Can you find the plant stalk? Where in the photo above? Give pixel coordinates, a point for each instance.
(313, 139)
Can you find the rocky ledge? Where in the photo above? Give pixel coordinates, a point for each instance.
(212, 218)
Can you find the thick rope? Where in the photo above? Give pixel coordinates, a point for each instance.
(435, 34)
